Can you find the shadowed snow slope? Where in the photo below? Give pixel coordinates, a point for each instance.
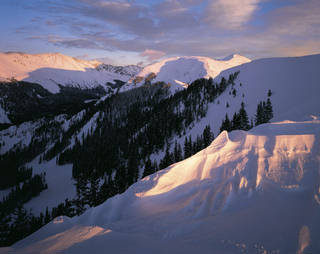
(181, 71)
(52, 69)
(248, 192)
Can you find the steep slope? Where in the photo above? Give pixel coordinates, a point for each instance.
(252, 85)
(21, 137)
(52, 69)
(292, 81)
(256, 78)
(181, 71)
(248, 192)
(3, 116)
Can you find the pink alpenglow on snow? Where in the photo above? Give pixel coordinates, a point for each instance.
(248, 192)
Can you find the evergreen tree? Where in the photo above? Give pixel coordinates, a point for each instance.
(244, 120)
(236, 122)
(197, 145)
(167, 159)
(121, 179)
(133, 169)
(177, 152)
(47, 217)
(259, 117)
(226, 124)
(93, 191)
(187, 147)
(207, 136)
(269, 110)
(148, 168)
(264, 112)
(234, 92)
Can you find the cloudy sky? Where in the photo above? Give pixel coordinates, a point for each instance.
(142, 31)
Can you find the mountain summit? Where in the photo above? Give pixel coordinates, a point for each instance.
(182, 71)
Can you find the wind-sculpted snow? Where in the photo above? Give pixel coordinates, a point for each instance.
(248, 192)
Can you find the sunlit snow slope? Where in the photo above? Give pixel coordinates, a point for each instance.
(52, 69)
(293, 82)
(248, 192)
(181, 71)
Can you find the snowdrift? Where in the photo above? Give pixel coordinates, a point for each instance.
(248, 192)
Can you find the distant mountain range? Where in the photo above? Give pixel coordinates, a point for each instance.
(56, 73)
(54, 69)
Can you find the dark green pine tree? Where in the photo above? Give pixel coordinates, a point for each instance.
(177, 152)
(120, 179)
(236, 122)
(167, 159)
(47, 217)
(148, 168)
(93, 191)
(21, 225)
(264, 115)
(226, 124)
(244, 120)
(268, 110)
(197, 145)
(234, 92)
(207, 136)
(133, 169)
(187, 147)
(259, 117)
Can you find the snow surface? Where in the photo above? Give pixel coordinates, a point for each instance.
(248, 192)
(17, 136)
(181, 71)
(3, 116)
(61, 185)
(269, 172)
(52, 69)
(256, 77)
(292, 81)
(59, 178)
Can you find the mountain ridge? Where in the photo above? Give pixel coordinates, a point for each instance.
(183, 70)
(53, 69)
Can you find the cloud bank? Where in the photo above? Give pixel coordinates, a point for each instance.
(153, 29)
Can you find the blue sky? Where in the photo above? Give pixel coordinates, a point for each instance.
(142, 31)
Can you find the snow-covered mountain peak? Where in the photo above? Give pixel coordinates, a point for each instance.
(181, 71)
(51, 69)
(233, 56)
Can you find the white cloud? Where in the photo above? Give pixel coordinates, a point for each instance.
(230, 14)
(152, 55)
